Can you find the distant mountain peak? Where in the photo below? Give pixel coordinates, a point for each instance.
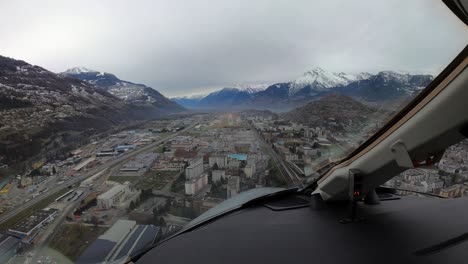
(251, 87)
(316, 70)
(78, 70)
(319, 80)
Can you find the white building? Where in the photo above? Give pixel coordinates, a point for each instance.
(233, 186)
(220, 160)
(195, 168)
(217, 175)
(249, 170)
(195, 185)
(114, 196)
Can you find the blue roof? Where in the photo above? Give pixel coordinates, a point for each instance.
(96, 252)
(125, 251)
(125, 146)
(238, 156)
(8, 247)
(141, 238)
(146, 240)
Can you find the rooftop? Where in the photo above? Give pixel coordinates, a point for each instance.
(238, 156)
(29, 223)
(119, 230)
(113, 191)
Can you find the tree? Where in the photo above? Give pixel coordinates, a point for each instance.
(94, 220)
(162, 222)
(78, 229)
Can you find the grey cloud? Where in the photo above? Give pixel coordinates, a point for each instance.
(182, 47)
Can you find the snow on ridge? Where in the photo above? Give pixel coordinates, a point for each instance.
(320, 79)
(78, 70)
(251, 87)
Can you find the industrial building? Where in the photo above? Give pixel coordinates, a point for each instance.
(83, 164)
(27, 228)
(138, 165)
(123, 240)
(106, 152)
(112, 197)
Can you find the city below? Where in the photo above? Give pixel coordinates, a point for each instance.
(125, 191)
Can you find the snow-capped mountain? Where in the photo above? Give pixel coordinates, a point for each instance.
(250, 88)
(131, 93)
(386, 85)
(318, 80)
(226, 97)
(313, 84)
(78, 70)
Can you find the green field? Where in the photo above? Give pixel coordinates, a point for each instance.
(73, 239)
(155, 179)
(160, 149)
(27, 212)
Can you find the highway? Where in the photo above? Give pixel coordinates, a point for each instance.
(112, 163)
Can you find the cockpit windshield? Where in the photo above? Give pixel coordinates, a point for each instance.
(141, 116)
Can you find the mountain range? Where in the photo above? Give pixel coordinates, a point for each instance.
(131, 93)
(313, 84)
(44, 114)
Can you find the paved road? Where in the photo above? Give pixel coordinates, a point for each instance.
(112, 163)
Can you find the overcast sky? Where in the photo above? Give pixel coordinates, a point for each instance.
(186, 47)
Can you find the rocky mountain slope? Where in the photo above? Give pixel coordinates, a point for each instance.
(42, 114)
(131, 93)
